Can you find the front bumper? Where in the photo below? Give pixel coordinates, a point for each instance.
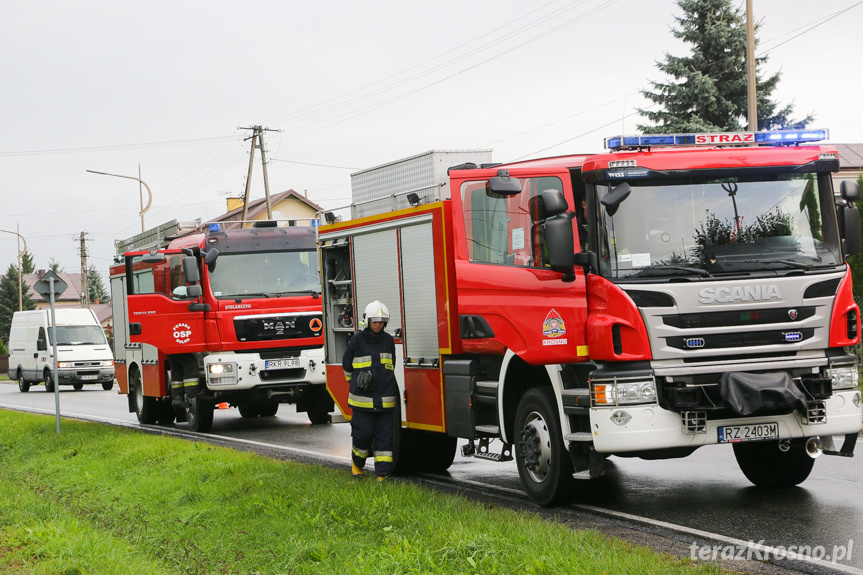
(649, 427)
(229, 371)
(85, 375)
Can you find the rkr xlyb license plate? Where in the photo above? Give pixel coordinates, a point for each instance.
(751, 432)
(282, 363)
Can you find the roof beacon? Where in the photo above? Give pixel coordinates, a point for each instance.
(775, 138)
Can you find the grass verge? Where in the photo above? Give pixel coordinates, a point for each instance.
(105, 500)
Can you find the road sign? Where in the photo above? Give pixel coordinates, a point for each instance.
(43, 286)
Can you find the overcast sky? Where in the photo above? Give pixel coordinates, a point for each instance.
(167, 84)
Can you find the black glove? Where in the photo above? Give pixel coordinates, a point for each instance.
(364, 381)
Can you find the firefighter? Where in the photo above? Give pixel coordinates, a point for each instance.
(369, 362)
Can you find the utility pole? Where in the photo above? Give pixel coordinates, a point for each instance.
(257, 142)
(85, 283)
(750, 68)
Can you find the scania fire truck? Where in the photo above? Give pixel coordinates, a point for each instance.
(221, 317)
(674, 292)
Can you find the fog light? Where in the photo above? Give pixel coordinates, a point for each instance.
(844, 377)
(620, 417)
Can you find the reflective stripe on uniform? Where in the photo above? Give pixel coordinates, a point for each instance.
(387, 361)
(348, 375)
(176, 385)
(190, 382)
(388, 401)
(361, 401)
(360, 452)
(383, 456)
(362, 361)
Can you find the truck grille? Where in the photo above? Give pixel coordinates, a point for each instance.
(277, 327)
(738, 318)
(745, 339)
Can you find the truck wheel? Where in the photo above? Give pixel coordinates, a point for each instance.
(166, 412)
(49, 382)
(23, 386)
(78, 386)
(249, 411)
(269, 410)
(199, 414)
(765, 465)
(319, 405)
(437, 452)
(145, 407)
(543, 463)
(107, 385)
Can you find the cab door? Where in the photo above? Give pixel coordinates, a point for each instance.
(160, 311)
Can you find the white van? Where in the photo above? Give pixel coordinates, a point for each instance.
(82, 349)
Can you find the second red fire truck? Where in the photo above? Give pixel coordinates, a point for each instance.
(229, 317)
(642, 302)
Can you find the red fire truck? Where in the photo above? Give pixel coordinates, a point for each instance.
(642, 302)
(237, 312)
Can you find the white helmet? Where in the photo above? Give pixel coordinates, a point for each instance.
(376, 311)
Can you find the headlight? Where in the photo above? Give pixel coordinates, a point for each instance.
(844, 376)
(64, 364)
(623, 392)
(222, 373)
(109, 363)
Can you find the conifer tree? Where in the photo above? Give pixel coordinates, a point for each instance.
(9, 300)
(707, 90)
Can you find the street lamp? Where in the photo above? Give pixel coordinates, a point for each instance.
(149, 193)
(20, 255)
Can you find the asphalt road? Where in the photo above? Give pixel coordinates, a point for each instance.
(703, 499)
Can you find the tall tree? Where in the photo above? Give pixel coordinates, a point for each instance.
(9, 299)
(97, 288)
(27, 264)
(56, 266)
(707, 90)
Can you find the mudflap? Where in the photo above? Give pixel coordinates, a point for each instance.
(751, 394)
(587, 463)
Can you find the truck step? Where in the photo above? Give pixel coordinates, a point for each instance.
(579, 436)
(487, 386)
(489, 429)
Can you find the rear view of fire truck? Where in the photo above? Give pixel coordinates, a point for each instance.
(639, 303)
(221, 317)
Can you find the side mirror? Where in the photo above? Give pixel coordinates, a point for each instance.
(210, 259)
(504, 185)
(190, 270)
(194, 290)
(615, 197)
(153, 257)
(41, 345)
(560, 245)
(553, 202)
(850, 191)
(849, 217)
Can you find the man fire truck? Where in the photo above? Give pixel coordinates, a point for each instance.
(642, 302)
(221, 317)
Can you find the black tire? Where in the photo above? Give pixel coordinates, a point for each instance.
(319, 405)
(23, 386)
(248, 411)
(543, 463)
(436, 452)
(108, 385)
(78, 386)
(146, 408)
(767, 466)
(166, 412)
(199, 414)
(49, 382)
(269, 410)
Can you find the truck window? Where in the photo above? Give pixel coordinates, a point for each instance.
(161, 277)
(506, 230)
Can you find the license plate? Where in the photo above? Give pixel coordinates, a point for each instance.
(282, 363)
(89, 377)
(751, 432)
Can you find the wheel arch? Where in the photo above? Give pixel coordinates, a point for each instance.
(517, 377)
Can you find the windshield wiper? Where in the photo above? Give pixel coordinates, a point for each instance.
(789, 263)
(657, 271)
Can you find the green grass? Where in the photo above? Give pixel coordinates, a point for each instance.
(103, 500)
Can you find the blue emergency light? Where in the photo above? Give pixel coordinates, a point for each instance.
(215, 227)
(773, 137)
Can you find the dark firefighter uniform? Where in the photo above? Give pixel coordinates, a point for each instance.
(372, 405)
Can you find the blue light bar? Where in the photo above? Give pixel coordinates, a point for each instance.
(774, 137)
(215, 227)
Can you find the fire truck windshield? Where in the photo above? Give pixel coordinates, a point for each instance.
(265, 274)
(697, 228)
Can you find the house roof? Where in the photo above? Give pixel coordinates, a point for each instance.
(259, 207)
(72, 293)
(850, 156)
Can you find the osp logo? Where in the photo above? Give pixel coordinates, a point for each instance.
(182, 333)
(739, 294)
